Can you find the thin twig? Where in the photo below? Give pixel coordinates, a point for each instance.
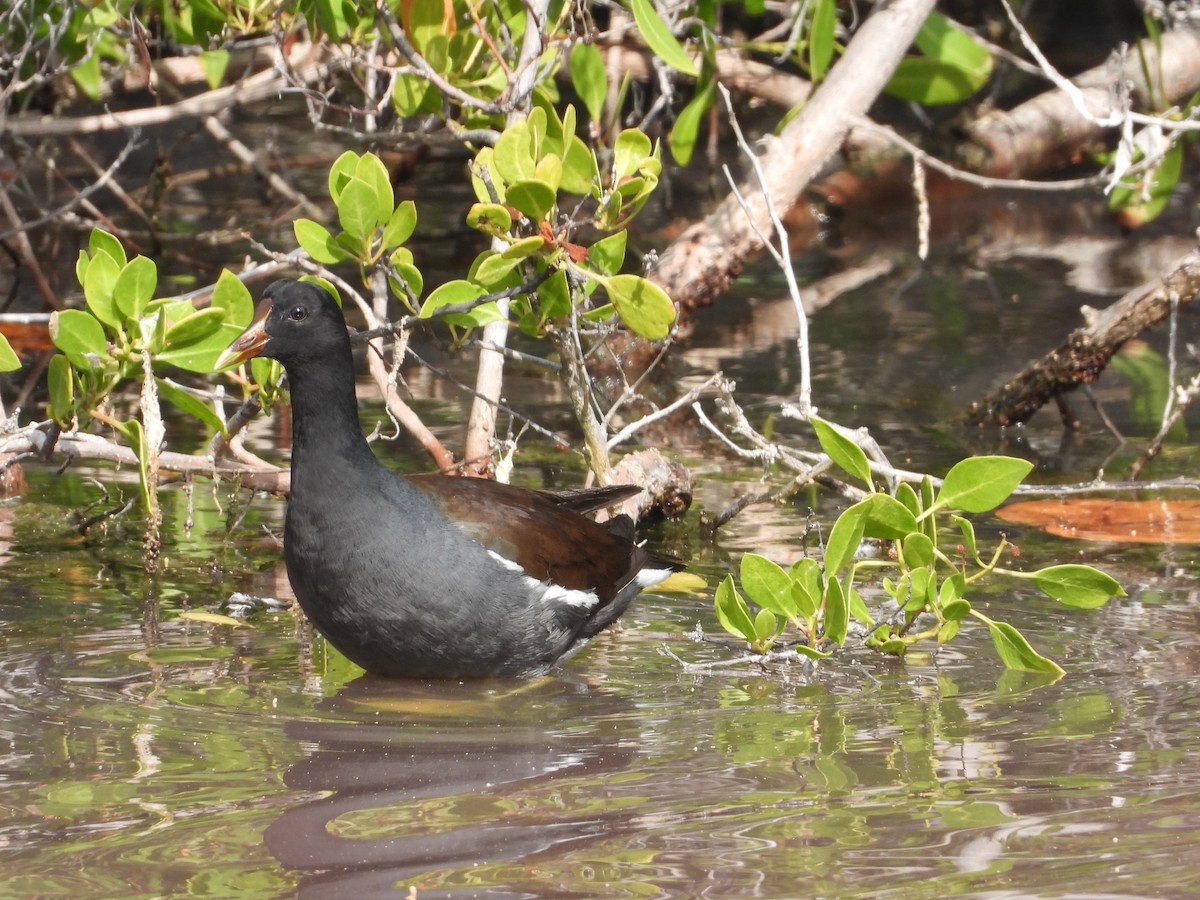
(782, 255)
(102, 181)
(690, 397)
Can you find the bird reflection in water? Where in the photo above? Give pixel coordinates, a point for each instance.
(443, 762)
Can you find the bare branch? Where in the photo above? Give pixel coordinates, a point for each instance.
(257, 87)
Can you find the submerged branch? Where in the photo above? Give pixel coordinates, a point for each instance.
(1087, 351)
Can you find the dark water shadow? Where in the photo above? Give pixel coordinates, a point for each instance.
(442, 762)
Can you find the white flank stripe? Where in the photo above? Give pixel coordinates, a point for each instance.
(554, 593)
(558, 594)
(506, 562)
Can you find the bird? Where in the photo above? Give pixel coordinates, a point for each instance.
(429, 576)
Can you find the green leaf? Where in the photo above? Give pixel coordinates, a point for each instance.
(490, 218)
(1014, 651)
(1149, 194)
(951, 590)
(953, 68)
(821, 32)
(524, 248)
(8, 359)
(407, 273)
(534, 198)
(98, 287)
(214, 63)
(413, 96)
(315, 239)
(810, 652)
(493, 268)
(630, 151)
(266, 372)
(513, 153)
(86, 75)
(968, 533)
(103, 242)
(200, 354)
(356, 209)
(929, 523)
(844, 538)
(81, 266)
(581, 174)
(589, 78)
(642, 305)
(451, 293)
(423, 21)
(981, 483)
(477, 316)
(931, 82)
(554, 296)
(1080, 586)
(607, 255)
(437, 54)
(372, 171)
(684, 132)
(80, 336)
(194, 615)
(549, 171)
(340, 173)
(232, 296)
(886, 518)
(732, 612)
(135, 287)
(939, 38)
(842, 450)
(190, 404)
(922, 594)
(400, 225)
(659, 38)
(837, 612)
(767, 584)
(918, 549)
(858, 608)
(194, 328)
(61, 384)
(908, 498)
(806, 587)
(766, 627)
(955, 610)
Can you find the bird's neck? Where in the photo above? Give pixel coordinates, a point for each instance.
(325, 427)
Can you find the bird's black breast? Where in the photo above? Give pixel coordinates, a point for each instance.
(401, 591)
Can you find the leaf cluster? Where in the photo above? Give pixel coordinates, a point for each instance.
(929, 587)
(519, 184)
(123, 325)
(125, 334)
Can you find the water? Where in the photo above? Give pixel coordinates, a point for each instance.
(148, 755)
(145, 752)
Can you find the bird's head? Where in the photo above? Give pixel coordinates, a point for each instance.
(294, 321)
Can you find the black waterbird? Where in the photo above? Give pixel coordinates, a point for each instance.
(429, 576)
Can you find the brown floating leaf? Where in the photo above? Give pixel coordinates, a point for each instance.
(1121, 521)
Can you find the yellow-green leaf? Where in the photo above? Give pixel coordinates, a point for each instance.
(659, 38)
(8, 359)
(642, 305)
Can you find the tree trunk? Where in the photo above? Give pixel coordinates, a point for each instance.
(709, 254)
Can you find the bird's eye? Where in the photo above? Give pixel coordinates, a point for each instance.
(297, 313)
